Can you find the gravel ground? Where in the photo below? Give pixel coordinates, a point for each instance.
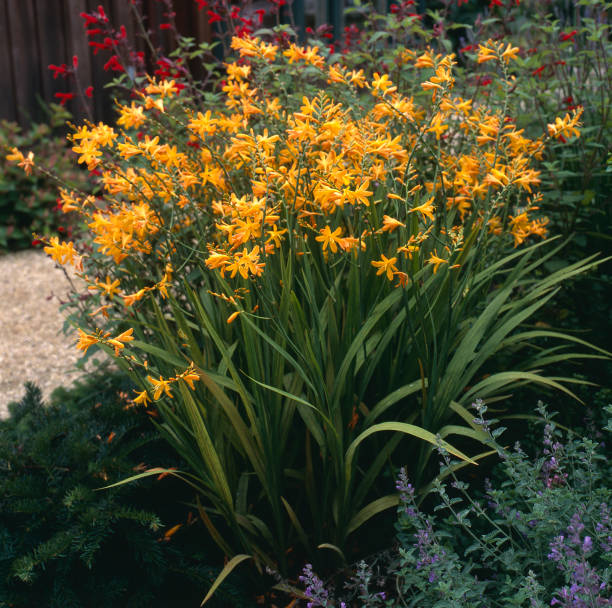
(32, 344)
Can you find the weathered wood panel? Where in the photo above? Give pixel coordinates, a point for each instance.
(37, 33)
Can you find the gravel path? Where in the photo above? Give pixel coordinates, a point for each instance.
(32, 344)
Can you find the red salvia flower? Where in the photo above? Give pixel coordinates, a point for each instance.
(89, 92)
(165, 26)
(201, 4)
(539, 71)
(93, 32)
(64, 97)
(101, 14)
(75, 62)
(89, 19)
(58, 70)
(569, 36)
(260, 12)
(213, 17)
(114, 65)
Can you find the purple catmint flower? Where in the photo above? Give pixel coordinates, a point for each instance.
(406, 490)
(315, 589)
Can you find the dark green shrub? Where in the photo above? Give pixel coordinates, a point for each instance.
(62, 542)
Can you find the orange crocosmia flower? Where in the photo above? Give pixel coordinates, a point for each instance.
(172, 531)
(190, 376)
(390, 224)
(117, 342)
(142, 397)
(333, 239)
(86, 340)
(485, 53)
(386, 265)
(426, 209)
(160, 386)
(25, 162)
(436, 261)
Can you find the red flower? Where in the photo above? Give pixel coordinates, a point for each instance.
(539, 71)
(260, 12)
(122, 35)
(75, 62)
(460, 2)
(101, 14)
(89, 19)
(486, 81)
(495, 3)
(98, 46)
(36, 242)
(64, 97)
(114, 65)
(89, 92)
(213, 17)
(165, 26)
(59, 70)
(570, 36)
(469, 47)
(394, 8)
(201, 4)
(93, 32)
(235, 12)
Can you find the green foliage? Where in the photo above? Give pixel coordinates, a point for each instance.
(27, 202)
(65, 543)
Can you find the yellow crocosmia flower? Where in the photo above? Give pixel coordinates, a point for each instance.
(426, 209)
(329, 238)
(390, 224)
(246, 262)
(566, 126)
(160, 386)
(233, 317)
(437, 126)
(129, 300)
(426, 60)
(436, 261)
(25, 162)
(190, 376)
(358, 196)
(274, 235)
(61, 253)
(382, 84)
(142, 398)
(108, 287)
(117, 343)
(385, 266)
(510, 53)
(486, 53)
(86, 340)
(150, 103)
(131, 117)
(336, 73)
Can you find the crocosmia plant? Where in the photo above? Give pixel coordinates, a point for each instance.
(310, 278)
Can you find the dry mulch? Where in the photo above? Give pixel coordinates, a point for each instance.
(32, 344)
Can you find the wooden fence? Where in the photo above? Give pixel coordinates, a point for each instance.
(37, 33)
